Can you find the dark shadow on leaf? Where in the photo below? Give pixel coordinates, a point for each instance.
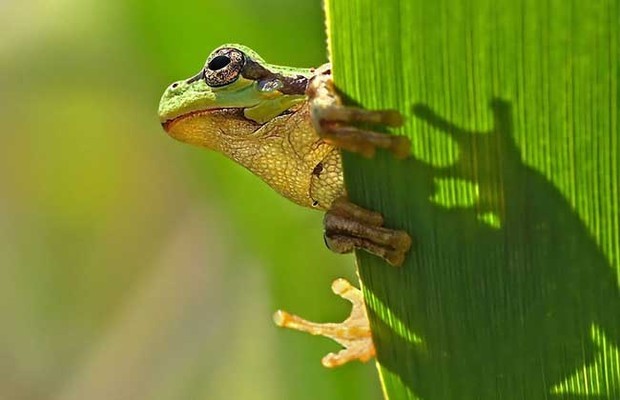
(504, 312)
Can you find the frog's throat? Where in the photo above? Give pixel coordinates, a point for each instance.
(219, 129)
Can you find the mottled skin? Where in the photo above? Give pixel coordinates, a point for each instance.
(287, 126)
(285, 151)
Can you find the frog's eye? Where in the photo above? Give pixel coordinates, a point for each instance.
(223, 67)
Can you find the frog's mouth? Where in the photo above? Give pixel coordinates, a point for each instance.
(167, 125)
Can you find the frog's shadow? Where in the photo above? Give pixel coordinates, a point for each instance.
(513, 304)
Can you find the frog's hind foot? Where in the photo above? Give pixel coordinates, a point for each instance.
(333, 122)
(348, 226)
(353, 333)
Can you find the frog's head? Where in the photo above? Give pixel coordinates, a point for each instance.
(233, 94)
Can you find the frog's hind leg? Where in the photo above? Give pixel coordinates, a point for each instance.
(333, 121)
(348, 226)
(353, 333)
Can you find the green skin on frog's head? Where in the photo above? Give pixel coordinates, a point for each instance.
(237, 89)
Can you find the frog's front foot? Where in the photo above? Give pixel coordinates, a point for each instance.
(334, 122)
(349, 226)
(353, 333)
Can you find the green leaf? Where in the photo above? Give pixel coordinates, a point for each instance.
(511, 193)
(598, 378)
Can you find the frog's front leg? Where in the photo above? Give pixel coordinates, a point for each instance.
(334, 122)
(353, 333)
(348, 226)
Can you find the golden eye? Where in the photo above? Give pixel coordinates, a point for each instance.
(223, 66)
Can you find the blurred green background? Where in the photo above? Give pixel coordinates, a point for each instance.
(133, 266)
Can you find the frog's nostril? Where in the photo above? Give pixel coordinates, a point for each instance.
(175, 84)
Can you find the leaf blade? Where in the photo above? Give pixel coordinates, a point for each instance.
(512, 194)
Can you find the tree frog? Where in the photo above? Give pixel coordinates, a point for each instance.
(288, 125)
